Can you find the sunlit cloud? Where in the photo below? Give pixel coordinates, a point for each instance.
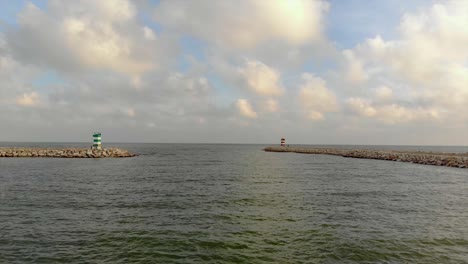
(231, 69)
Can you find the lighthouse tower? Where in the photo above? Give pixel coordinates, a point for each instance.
(283, 142)
(97, 140)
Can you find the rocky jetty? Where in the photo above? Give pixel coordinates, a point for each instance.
(64, 153)
(459, 160)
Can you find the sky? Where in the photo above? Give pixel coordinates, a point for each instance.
(383, 72)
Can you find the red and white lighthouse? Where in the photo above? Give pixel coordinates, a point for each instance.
(283, 142)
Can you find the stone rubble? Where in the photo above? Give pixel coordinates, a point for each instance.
(65, 153)
(459, 160)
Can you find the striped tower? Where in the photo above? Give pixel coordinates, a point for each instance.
(97, 140)
(283, 142)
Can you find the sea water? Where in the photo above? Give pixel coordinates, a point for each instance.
(214, 203)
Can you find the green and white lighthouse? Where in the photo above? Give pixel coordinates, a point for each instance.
(97, 140)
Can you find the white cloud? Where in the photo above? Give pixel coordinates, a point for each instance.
(245, 108)
(28, 99)
(98, 45)
(114, 10)
(390, 113)
(426, 66)
(315, 98)
(15, 81)
(361, 106)
(384, 93)
(393, 114)
(261, 79)
(245, 23)
(183, 84)
(430, 41)
(314, 115)
(148, 33)
(270, 105)
(81, 58)
(88, 35)
(355, 72)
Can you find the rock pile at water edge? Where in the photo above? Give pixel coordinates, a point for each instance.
(459, 160)
(64, 153)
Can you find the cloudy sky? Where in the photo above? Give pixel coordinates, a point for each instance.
(246, 71)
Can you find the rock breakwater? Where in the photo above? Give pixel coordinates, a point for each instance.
(459, 160)
(64, 153)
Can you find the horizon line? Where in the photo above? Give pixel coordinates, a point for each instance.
(235, 143)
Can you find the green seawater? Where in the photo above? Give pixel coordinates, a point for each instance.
(188, 203)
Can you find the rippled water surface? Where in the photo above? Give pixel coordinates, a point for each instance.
(184, 203)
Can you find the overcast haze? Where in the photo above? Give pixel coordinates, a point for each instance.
(315, 72)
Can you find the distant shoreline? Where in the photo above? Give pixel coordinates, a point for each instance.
(458, 160)
(11, 152)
